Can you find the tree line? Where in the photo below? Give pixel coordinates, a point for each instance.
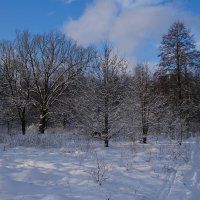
(51, 80)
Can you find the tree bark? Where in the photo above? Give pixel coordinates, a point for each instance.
(144, 139)
(42, 124)
(145, 131)
(22, 116)
(23, 121)
(106, 120)
(23, 124)
(144, 121)
(106, 142)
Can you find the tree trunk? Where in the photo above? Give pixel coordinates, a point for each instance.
(144, 122)
(181, 130)
(8, 127)
(144, 133)
(23, 124)
(23, 121)
(22, 116)
(42, 125)
(105, 132)
(144, 140)
(106, 101)
(106, 142)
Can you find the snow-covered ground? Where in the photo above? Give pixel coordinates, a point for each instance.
(86, 170)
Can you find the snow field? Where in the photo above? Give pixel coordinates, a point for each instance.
(86, 170)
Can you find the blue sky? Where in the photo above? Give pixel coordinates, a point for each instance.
(134, 27)
(36, 15)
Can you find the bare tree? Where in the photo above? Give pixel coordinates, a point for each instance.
(105, 94)
(177, 57)
(141, 89)
(55, 62)
(16, 78)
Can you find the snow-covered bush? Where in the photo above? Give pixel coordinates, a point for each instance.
(53, 138)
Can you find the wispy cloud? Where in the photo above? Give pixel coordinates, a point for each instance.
(51, 13)
(129, 24)
(69, 1)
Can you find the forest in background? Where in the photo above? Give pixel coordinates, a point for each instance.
(51, 81)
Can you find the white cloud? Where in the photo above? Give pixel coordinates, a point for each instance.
(94, 25)
(128, 24)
